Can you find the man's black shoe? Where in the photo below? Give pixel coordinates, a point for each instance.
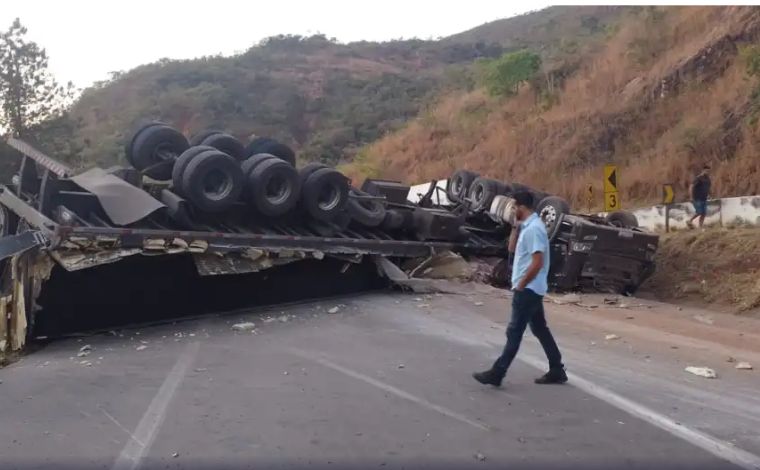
(489, 377)
(554, 376)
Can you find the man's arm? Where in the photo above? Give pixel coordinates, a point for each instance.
(536, 263)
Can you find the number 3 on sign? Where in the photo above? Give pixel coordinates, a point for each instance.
(611, 201)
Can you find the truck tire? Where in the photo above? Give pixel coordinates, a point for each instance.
(394, 220)
(253, 161)
(227, 144)
(307, 170)
(325, 194)
(141, 126)
(550, 210)
(197, 139)
(622, 219)
(213, 181)
(342, 221)
(253, 146)
(279, 150)
(481, 193)
(182, 162)
(459, 185)
(155, 150)
(368, 213)
(273, 187)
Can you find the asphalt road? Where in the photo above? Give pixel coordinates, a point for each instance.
(385, 382)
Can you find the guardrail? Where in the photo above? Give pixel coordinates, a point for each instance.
(726, 212)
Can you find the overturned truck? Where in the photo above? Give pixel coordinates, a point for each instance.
(193, 225)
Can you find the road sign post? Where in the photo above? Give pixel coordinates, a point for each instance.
(611, 195)
(668, 195)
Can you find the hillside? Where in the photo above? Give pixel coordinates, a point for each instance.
(324, 98)
(663, 91)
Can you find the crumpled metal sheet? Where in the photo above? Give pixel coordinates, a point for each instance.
(123, 203)
(77, 260)
(251, 261)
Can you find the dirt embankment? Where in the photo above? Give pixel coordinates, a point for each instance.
(718, 267)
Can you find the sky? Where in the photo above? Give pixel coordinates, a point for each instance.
(86, 40)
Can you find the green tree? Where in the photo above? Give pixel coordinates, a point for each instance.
(503, 76)
(29, 94)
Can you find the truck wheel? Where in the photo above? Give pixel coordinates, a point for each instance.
(325, 194)
(394, 220)
(551, 209)
(253, 146)
(342, 221)
(307, 170)
(182, 162)
(213, 181)
(481, 193)
(369, 213)
(459, 185)
(141, 126)
(227, 144)
(253, 161)
(197, 139)
(274, 187)
(278, 149)
(155, 150)
(622, 219)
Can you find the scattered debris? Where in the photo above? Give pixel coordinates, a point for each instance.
(86, 363)
(610, 300)
(418, 299)
(175, 455)
(593, 343)
(680, 309)
(479, 304)
(142, 347)
(424, 305)
(84, 351)
(611, 337)
(623, 306)
(730, 359)
(283, 318)
(674, 347)
(401, 366)
(705, 372)
(743, 366)
(704, 319)
(566, 299)
(629, 317)
(201, 369)
(285, 373)
(480, 457)
(333, 310)
(245, 326)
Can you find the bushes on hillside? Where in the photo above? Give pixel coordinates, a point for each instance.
(503, 76)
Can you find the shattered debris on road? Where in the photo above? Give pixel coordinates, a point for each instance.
(705, 372)
(245, 326)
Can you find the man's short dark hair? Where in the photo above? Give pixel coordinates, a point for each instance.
(523, 198)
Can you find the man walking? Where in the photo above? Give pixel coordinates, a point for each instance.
(530, 271)
(700, 191)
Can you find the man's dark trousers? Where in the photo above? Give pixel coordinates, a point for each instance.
(528, 309)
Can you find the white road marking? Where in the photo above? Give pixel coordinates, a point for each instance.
(486, 338)
(146, 430)
(713, 445)
(391, 389)
(121, 426)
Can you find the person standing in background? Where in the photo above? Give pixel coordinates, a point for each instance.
(700, 191)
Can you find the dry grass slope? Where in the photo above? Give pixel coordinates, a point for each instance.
(665, 93)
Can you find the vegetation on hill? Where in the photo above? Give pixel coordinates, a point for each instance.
(659, 93)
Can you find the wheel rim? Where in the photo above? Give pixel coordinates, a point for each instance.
(329, 197)
(549, 216)
(277, 189)
(217, 185)
(478, 196)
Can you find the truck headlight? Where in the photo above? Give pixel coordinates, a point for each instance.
(580, 247)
